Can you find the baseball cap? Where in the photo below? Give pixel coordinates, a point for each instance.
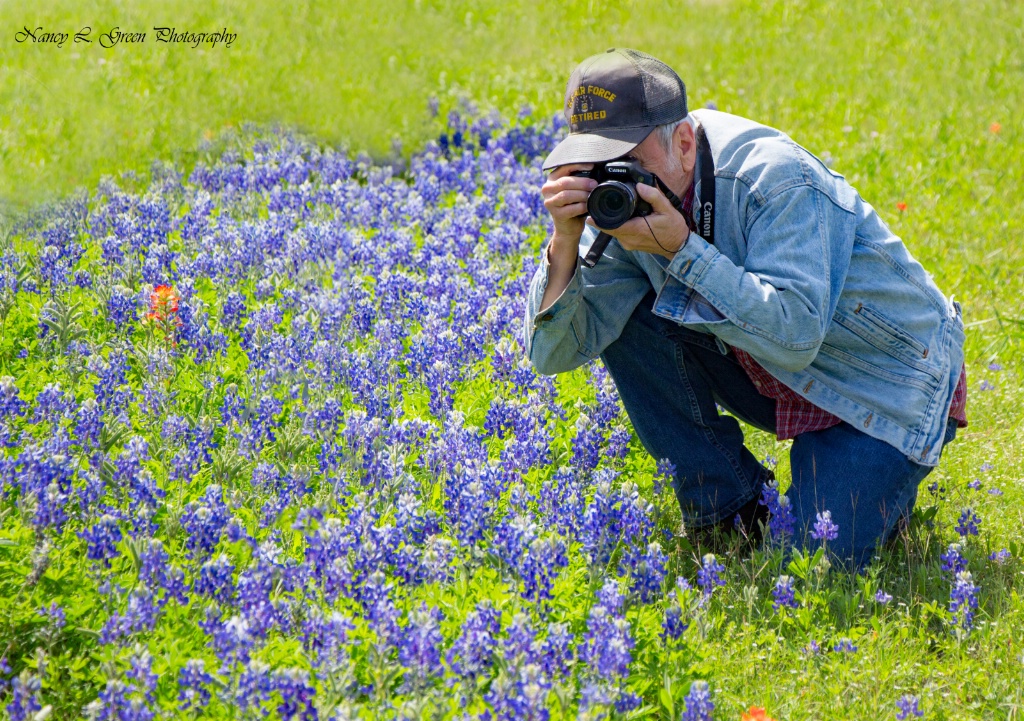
(613, 100)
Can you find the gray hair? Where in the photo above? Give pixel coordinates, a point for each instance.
(664, 132)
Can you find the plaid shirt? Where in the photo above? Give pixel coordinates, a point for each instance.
(794, 414)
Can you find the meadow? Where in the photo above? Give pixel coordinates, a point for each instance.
(270, 444)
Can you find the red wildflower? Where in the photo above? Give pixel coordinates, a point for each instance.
(901, 206)
(756, 713)
(994, 128)
(163, 303)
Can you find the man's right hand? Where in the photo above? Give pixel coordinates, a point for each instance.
(565, 197)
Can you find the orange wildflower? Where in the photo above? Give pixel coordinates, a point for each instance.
(994, 128)
(163, 303)
(901, 206)
(756, 713)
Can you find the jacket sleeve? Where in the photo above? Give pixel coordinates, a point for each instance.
(589, 314)
(776, 306)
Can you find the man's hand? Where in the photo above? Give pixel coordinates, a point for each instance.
(565, 197)
(663, 232)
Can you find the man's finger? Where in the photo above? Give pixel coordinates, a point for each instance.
(655, 197)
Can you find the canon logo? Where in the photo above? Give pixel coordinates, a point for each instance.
(708, 208)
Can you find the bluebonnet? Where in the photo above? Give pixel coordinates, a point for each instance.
(215, 578)
(963, 600)
(613, 517)
(520, 636)
(709, 575)
(204, 521)
(699, 705)
(326, 640)
(608, 644)
(824, 529)
(296, 694)
(539, 567)
(25, 700)
(562, 502)
(1001, 556)
(557, 651)
(420, 647)
(664, 476)
(102, 540)
(646, 569)
(56, 615)
(968, 523)
(520, 694)
(673, 626)
(781, 522)
(784, 593)
(141, 614)
(908, 706)
(193, 685)
(953, 560)
(143, 680)
(472, 653)
(11, 403)
(122, 307)
(882, 597)
(846, 645)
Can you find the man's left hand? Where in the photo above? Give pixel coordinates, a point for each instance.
(666, 224)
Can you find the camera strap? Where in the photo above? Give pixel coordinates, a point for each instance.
(706, 228)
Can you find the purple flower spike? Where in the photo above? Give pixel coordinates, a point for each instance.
(784, 593)
(824, 528)
(709, 574)
(968, 523)
(698, 702)
(907, 706)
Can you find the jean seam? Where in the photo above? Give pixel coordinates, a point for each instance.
(709, 434)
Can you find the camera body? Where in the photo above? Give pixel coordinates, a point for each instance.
(615, 200)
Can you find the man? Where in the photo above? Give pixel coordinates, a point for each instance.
(770, 289)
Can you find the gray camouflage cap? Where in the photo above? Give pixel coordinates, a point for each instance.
(613, 100)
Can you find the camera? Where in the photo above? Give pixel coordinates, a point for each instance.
(615, 200)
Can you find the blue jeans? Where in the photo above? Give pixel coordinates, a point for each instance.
(670, 377)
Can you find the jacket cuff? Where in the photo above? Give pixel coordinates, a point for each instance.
(683, 274)
(559, 315)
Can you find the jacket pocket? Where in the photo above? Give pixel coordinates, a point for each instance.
(887, 326)
(883, 334)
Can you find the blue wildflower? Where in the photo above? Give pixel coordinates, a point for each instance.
(698, 703)
(709, 574)
(784, 593)
(907, 705)
(824, 528)
(968, 523)
(845, 645)
(963, 600)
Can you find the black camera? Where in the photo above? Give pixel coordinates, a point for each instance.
(615, 200)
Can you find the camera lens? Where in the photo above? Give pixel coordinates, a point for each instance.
(611, 204)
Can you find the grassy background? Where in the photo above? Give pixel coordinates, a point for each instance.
(902, 96)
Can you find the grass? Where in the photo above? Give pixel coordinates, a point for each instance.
(917, 103)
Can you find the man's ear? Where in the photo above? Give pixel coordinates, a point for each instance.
(686, 143)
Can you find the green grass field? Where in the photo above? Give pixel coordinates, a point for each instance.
(920, 105)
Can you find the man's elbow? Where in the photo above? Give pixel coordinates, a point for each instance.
(796, 359)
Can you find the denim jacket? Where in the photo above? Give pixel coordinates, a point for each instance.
(803, 275)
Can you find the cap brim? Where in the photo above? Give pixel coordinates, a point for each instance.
(594, 148)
